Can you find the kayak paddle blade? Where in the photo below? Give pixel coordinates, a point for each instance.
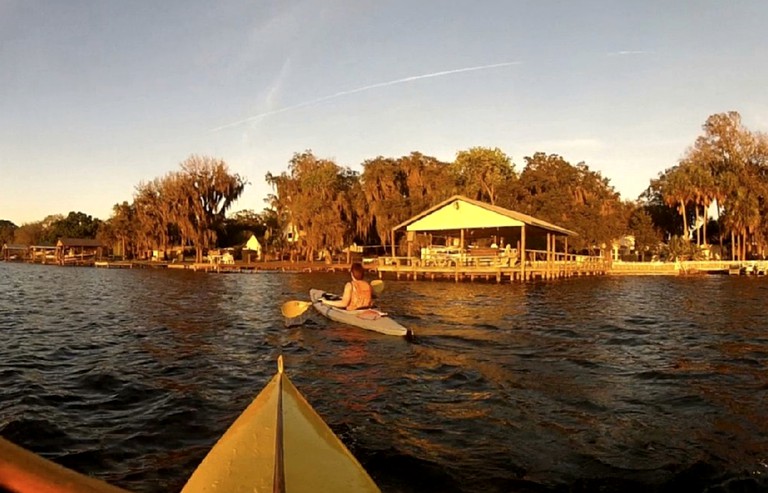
(377, 286)
(293, 309)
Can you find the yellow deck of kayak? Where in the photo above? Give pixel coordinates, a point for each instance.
(278, 444)
(247, 457)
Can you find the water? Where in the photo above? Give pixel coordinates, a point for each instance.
(591, 384)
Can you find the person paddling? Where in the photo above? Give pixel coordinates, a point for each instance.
(357, 292)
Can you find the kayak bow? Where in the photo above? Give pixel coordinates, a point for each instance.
(279, 444)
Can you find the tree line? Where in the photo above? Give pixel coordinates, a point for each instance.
(332, 206)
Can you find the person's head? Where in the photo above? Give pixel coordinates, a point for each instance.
(357, 271)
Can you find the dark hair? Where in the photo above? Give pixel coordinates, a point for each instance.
(357, 271)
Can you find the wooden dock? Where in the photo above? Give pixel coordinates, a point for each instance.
(690, 267)
(537, 265)
(121, 264)
(471, 268)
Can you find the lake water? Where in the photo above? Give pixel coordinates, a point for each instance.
(587, 384)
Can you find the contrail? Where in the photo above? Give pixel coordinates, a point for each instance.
(362, 89)
(629, 52)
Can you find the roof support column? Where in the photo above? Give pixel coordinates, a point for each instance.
(550, 250)
(522, 253)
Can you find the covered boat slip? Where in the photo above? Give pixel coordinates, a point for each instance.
(461, 238)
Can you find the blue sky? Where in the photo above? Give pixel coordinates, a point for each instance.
(97, 96)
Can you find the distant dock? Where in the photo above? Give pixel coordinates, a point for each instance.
(479, 269)
(690, 267)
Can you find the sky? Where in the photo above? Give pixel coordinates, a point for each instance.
(99, 96)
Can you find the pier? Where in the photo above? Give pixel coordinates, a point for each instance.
(537, 265)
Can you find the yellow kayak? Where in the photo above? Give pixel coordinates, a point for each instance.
(21, 471)
(278, 444)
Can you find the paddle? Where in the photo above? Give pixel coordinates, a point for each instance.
(377, 286)
(294, 308)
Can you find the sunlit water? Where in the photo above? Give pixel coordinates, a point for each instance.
(591, 384)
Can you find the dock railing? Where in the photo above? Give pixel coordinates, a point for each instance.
(504, 264)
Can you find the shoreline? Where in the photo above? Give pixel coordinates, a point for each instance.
(705, 267)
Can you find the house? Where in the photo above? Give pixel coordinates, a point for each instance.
(252, 249)
(291, 233)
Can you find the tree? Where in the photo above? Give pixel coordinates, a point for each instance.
(121, 228)
(737, 161)
(647, 237)
(481, 172)
(151, 212)
(383, 197)
(29, 233)
(75, 225)
(239, 227)
(7, 230)
(314, 196)
(206, 190)
(428, 181)
(664, 218)
(392, 190)
(572, 196)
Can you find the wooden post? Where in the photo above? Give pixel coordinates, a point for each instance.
(392, 238)
(522, 252)
(549, 256)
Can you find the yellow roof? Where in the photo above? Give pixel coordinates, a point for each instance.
(459, 212)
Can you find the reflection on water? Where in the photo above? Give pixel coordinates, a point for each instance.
(592, 384)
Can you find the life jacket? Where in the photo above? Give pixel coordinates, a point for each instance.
(361, 295)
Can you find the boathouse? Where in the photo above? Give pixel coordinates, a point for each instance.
(465, 238)
(78, 251)
(43, 253)
(15, 252)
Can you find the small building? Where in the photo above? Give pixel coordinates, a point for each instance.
(15, 252)
(252, 250)
(79, 251)
(291, 233)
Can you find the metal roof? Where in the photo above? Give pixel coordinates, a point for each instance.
(498, 217)
(79, 242)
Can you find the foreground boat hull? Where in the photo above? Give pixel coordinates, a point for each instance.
(364, 319)
(22, 471)
(279, 444)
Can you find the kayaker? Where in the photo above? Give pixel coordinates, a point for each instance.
(357, 292)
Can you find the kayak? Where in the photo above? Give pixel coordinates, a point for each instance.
(366, 318)
(22, 471)
(278, 444)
